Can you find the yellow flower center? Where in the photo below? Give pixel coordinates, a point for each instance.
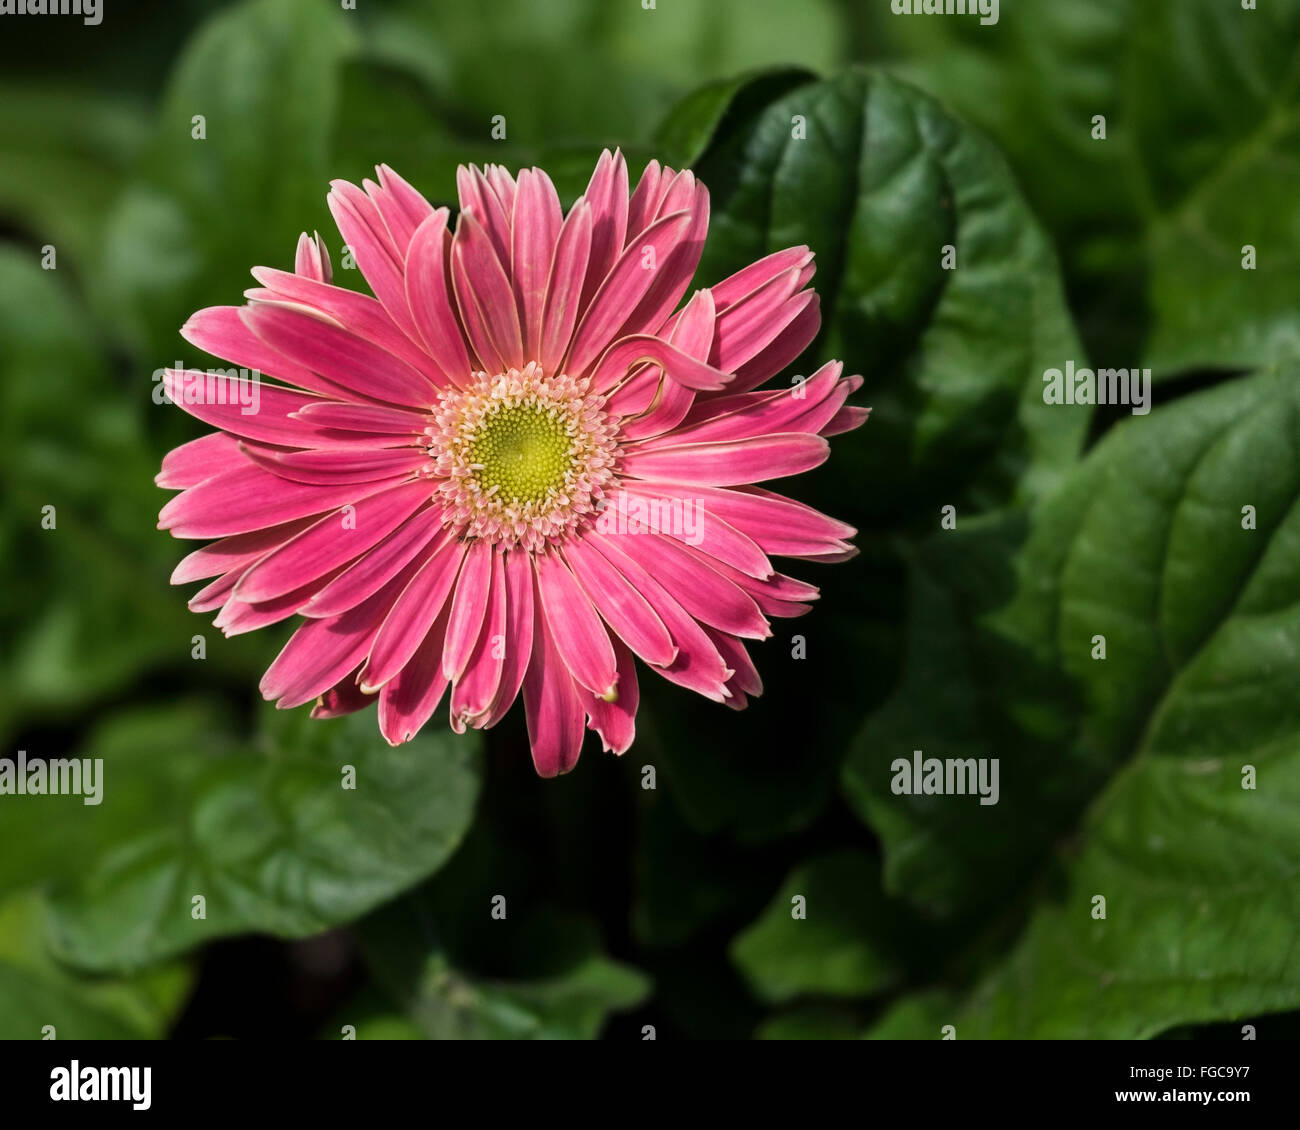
(523, 452)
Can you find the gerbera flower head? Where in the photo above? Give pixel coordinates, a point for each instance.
(518, 465)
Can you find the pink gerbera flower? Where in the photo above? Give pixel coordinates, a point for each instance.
(515, 467)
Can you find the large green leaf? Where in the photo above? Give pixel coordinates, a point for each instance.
(1202, 150)
(967, 691)
(270, 838)
(37, 994)
(877, 178)
(1149, 545)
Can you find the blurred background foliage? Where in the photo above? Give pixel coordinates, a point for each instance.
(671, 906)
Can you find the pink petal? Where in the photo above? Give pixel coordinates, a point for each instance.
(715, 537)
(534, 229)
(331, 542)
(749, 279)
(361, 314)
(228, 403)
(503, 184)
(430, 299)
(620, 357)
(474, 693)
(624, 609)
(520, 585)
(235, 554)
(615, 721)
(484, 298)
(624, 287)
(576, 630)
(412, 614)
(239, 617)
(676, 268)
(220, 330)
(700, 589)
(422, 537)
(345, 697)
(779, 525)
(403, 208)
(381, 261)
(784, 350)
(372, 418)
(467, 608)
(692, 333)
(644, 205)
(321, 652)
(214, 595)
(564, 286)
(338, 355)
(200, 459)
(747, 328)
(846, 419)
(551, 704)
(746, 680)
(478, 196)
(698, 665)
(607, 195)
(806, 407)
(729, 463)
(250, 498)
(312, 260)
(409, 699)
(776, 595)
(348, 465)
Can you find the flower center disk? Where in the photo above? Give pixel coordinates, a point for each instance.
(523, 452)
(523, 458)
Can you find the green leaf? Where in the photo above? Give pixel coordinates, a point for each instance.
(1149, 545)
(877, 178)
(270, 838)
(836, 947)
(37, 994)
(1202, 107)
(199, 213)
(684, 135)
(59, 833)
(965, 691)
